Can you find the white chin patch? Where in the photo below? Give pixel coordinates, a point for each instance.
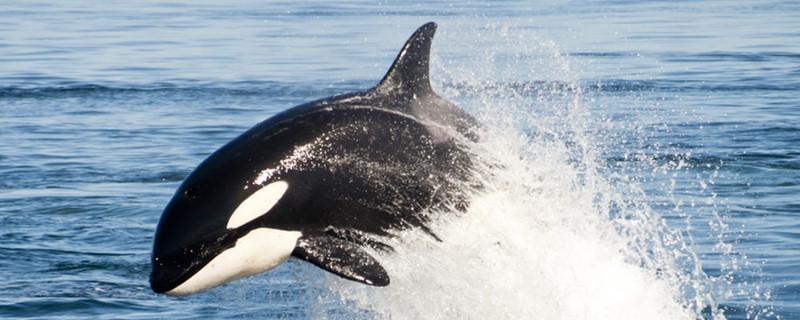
(258, 251)
(257, 204)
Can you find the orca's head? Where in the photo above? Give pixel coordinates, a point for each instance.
(213, 231)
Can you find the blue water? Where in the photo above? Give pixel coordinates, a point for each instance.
(686, 112)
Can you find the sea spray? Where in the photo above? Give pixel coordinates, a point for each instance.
(533, 245)
(553, 233)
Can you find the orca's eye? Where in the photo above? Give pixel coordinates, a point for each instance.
(191, 192)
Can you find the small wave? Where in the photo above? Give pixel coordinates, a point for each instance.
(732, 56)
(37, 307)
(713, 56)
(69, 89)
(601, 54)
(60, 88)
(623, 85)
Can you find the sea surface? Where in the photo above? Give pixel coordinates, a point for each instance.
(648, 153)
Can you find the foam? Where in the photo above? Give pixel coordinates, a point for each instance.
(553, 234)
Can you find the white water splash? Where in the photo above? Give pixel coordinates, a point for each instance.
(531, 246)
(554, 234)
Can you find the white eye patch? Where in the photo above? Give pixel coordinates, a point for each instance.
(257, 204)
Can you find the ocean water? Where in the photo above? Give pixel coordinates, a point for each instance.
(647, 154)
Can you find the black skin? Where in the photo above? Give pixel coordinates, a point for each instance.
(372, 162)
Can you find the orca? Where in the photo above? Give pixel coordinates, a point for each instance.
(326, 182)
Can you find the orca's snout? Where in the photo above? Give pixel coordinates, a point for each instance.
(158, 282)
(172, 264)
(163, 278)
(180, 249)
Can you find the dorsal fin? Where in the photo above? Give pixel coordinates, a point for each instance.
(409, 73)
